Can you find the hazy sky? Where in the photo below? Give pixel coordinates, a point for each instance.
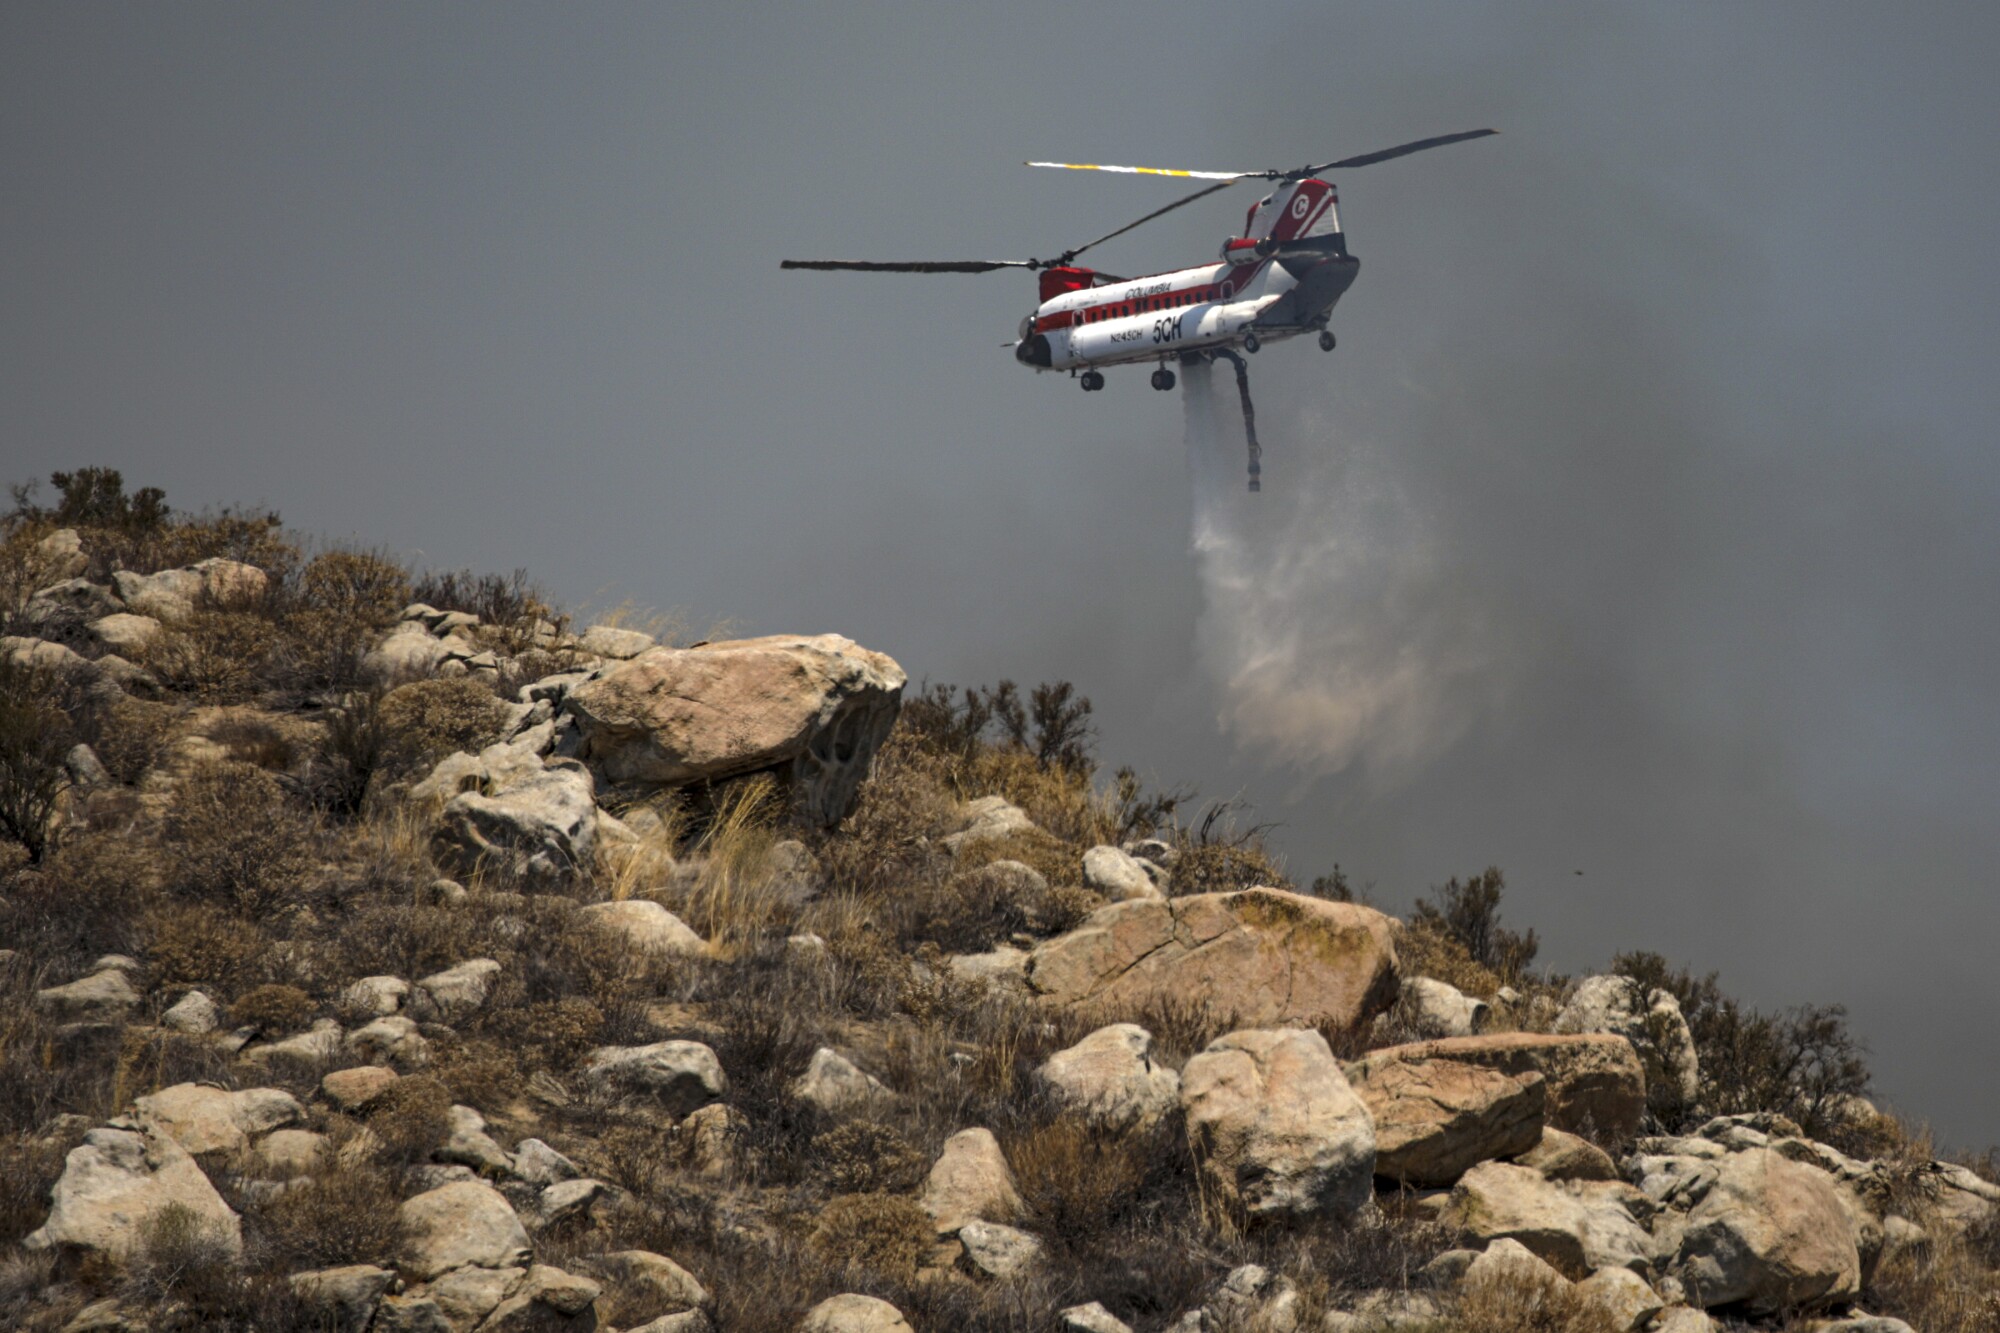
(1654, 470)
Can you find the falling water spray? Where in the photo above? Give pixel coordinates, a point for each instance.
(1334, 624)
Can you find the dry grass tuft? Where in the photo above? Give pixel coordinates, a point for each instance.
(1526, 1303)
(873, 1233)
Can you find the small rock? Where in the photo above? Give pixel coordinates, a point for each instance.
(1510, 1261)
(1430, 1008)
(544, 1288)
(1004, 968)
(854, 1314)
(1092, 1318)
(640, 1285)
(838, 1087)
(394, 1039)
(468, 1144)
(346, 1297)
(194, 1013)
(85, 769)
(285, 1154)
(468, 1295)
(410, 1314)
(566, 1199)
(1578, 1226)
(539, 1164)
(101, 997)
(447, 996)
(374, 997)
(1110, 1078)
(204, 1119)
(988, 819)
(1624, 1295)
(358, 1088)
(971, 1181)
(710, 1141)
(60, 555)
(677, 1077)
(318, 1045)
(1652, 1021)
(611, 641)
(645, 927)
(124, 633)
(999, 1251)
(1117, 876)
(1564, 1156)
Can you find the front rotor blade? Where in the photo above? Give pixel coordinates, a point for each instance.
(1399, 150)
(1188, 199)
(1144, 171)
(914, 266)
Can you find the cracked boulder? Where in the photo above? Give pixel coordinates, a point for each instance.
(1770, 1233)
(1261, 957)
(1436, 1119)
(1596, 1083)
(813, 709)
(1276, 1128)
(540, 824)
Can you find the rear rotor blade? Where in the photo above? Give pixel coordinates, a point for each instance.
(1146, 171)
(914, 266)
(1399, 150)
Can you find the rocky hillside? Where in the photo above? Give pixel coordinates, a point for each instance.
(385, 952)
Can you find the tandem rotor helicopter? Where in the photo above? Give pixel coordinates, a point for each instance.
(1278, 280)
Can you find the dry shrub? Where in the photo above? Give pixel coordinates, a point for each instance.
(482, 1073)
(82, 903)
(30, 1165)
(35, 737)
(273, 1008)
(861, 1157)
(346, 1215)
(1220, 867)
(215, 655)
(550, 1034)
(411, 1120)
(1427, 951)
(184, 1260)
(200, 944)
(429, 719)
(873, 1233)
(129, 735)
(253, 740)
(1081, 1182)
(364, 586)
(231, 837)
(1529, 1303)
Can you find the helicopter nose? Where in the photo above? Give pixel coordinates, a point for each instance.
(1033, 350)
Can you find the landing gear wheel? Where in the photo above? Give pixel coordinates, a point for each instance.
(1325, 341)
(1092, 381)
(1250, 343)
(1163, 379)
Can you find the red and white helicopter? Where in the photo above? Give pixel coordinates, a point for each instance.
(1278, 280)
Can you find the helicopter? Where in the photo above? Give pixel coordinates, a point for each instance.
(1278, 280)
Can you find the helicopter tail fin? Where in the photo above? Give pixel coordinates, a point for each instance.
(1296, 211)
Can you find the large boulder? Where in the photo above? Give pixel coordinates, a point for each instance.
(814, 708)
(1652, 1021)
(541, 826)
(204, 1119)
(1579, 1226)
(971, 1181)
(1435, 1119)
(1276, 1128)
(116, 1186)
(1110, 1078)
(1770, 1233)
(1261, 957)
(1596, 1083)
(464, 1224)
(105, 996)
